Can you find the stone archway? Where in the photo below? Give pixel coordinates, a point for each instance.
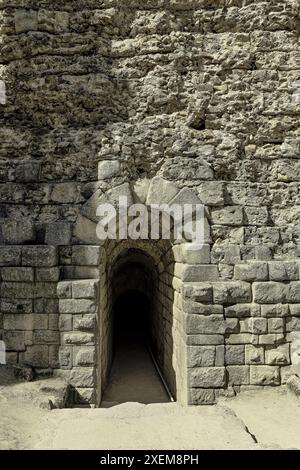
(170, 261)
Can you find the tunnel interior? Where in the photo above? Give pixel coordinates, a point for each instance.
(139, 333)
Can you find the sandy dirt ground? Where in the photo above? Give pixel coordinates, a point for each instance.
(252, 420)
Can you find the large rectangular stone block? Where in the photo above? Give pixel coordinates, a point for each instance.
(86, 255)
(242, 310)
(234, 354)
(17, 232)
(275, 310)
(77, 306)
(46, 337)
(198, 273)
(254, 354)
(39, 255)
(82, 377)
(278, 356)
(207, 377)
(37, 356)
(14, 340)
(232, 292)
(201, 396)
(16, 306)
(10, 255)
(264, 375)
(84, 356)
(78, 338)
(17, 274)
(212, 324)
(84, 289)
(269, 292)
(200, 292)
(238, 375)
(252, 271)
(201, 356)
(229, 215)
(284, 270)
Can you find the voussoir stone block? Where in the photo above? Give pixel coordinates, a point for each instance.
(161, 191)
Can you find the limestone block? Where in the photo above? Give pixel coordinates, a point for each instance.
(17, 274)
(234, 354)
(242, 338)
(78, 338)
(108, 169)
(17, 232)
(25, 20)
(84, 289)
(65, 322)
(271, 338)
(85, 230)
(231, 292)
(65, 193)
(20, 321)
(16, 306)
(283, 271)
(199, 256)
(84, 356)
(256, 215)
(251, 271)
(276, 325)
(161, 191)
(254, 354)
(263, 253)
(46, 305)
(24, 290)
(200, 292)
(47, 274)
(211, 193)
(46, 337)
(82, 377)
(38, 255)
(269, 292)
(14, 340)
(10, 255)
(275, 310)
(28, 172)
(205, 340)
(86, 255)
(36, 356)
(294, 310)
(197, 273)
(85, 395)
(66, 357)
(293, 292)
(278, 356)
(207, 377)
(201, 396)
(212, 324)
(86, 322)
(264, 375)
(238, 375)
(229, 215)
(76, 306)
(242, 310)
(201, 356)
(254, 325)
(80, 272)
(292, 324)
(58, 233)
(190, 306)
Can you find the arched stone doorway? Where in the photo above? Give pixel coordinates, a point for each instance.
(137, 306)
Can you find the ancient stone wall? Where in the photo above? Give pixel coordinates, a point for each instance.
(105, 97)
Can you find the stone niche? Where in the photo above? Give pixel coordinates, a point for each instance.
(184, 102)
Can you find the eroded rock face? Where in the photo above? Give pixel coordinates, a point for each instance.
(103, 98)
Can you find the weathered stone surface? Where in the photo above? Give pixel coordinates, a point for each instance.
(17, 232)
(85, 356)
(278, 356)
(212, 324)
(229, 215)
(78, 338)
(264, 375)
(58, 234)
(86, 255)
(201, 292)
(10, 256)
(231, 292)
(207, 377)
(39, 256)
(284, 271)
(108, 169)
(234, 354)
(269, 292)
(82, 377)
(201, 396)
(17, 274)
(252, 271)
(84, 289)
(201, 356)
(76, 306)
(238, 375)
(254, 354)
(86, 322)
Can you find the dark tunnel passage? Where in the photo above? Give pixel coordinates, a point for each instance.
(133, 376)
